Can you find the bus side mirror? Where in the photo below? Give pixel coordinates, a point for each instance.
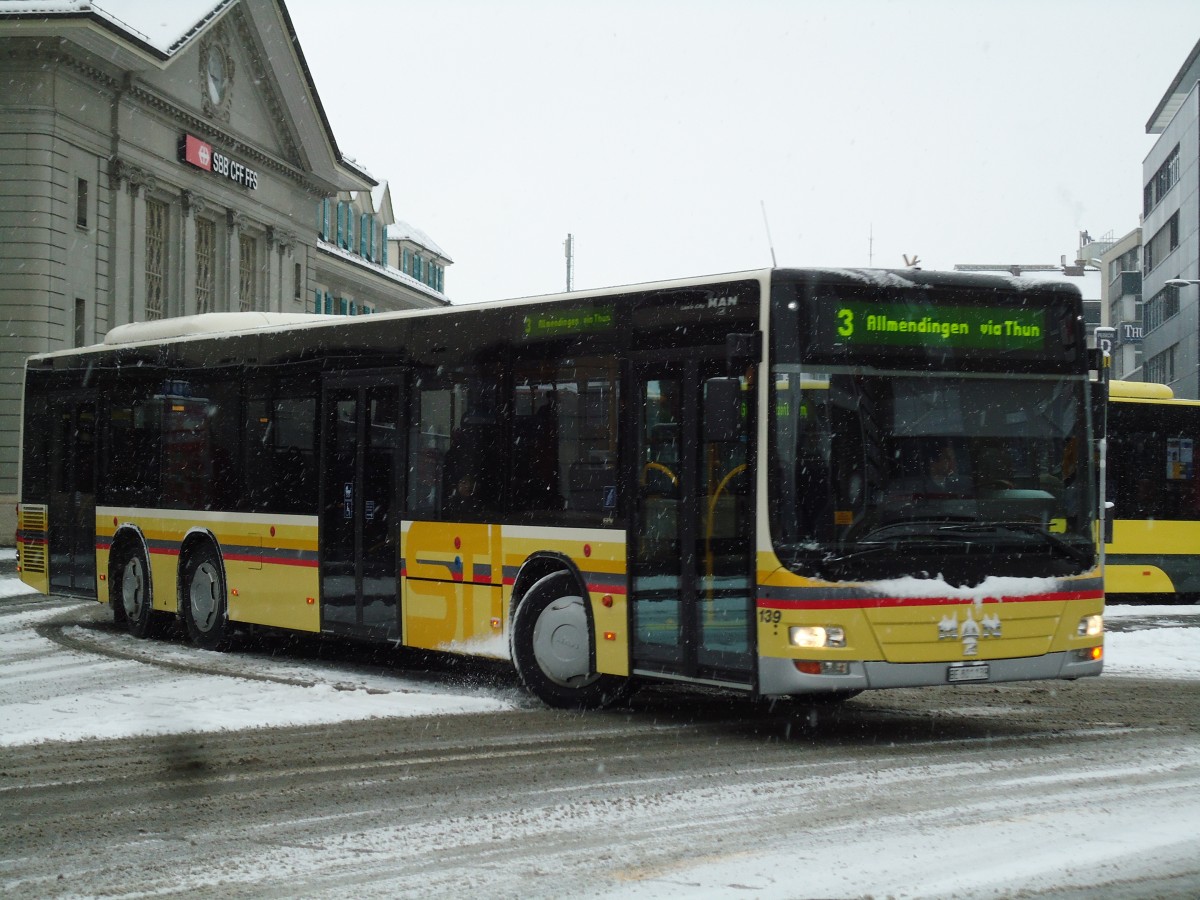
(742, 351)
(722, 410)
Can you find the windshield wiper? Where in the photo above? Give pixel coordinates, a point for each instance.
(1082, 557)
(926, 529)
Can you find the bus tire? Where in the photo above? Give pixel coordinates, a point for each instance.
(205, 610)
(133, 605)
(552, 648)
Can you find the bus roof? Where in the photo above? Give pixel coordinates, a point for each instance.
(205, 324)
(1139, 390)
(215, 325)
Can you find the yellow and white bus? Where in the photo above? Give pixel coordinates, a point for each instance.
(1152, 550)
(783, 482)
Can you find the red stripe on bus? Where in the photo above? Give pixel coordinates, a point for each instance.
(882, 602)
(606, 588)
(272, 560)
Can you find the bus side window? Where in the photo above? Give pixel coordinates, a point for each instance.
(455, 446)
(564, 440)
(279, 466)
(129, 455)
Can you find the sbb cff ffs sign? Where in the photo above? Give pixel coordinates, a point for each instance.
(201, 154)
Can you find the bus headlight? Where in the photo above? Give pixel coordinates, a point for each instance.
(1091, 626)
(813, 636)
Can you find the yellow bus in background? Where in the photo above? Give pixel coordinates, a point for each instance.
(1153, 550)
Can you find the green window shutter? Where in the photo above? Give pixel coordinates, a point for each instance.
(342, 305)
(364, 235)
(384, 242)
(349, 245)
(316, 301)
(341, 223)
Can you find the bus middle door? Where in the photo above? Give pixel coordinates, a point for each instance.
(692, 533)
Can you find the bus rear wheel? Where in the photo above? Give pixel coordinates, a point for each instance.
(552, 648)
(205, 612)
(133, 606)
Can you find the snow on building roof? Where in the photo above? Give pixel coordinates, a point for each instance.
(403, 231)
(162, 26)
(378, 195)
(388, 271)
(165, 26)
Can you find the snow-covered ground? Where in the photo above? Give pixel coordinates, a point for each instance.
(1133, 832)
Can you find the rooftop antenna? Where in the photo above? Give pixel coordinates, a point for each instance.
(770, 243)
(569, 252)
(870, 245)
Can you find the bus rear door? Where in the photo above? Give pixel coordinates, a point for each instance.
(72, 507)
(362, 452)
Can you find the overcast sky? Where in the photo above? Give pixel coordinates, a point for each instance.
(657, 131)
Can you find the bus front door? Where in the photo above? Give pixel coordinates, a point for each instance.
(72, 507)
(362, 455)
(691, 539)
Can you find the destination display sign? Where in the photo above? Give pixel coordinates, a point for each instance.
(932, 327)
(559, 321)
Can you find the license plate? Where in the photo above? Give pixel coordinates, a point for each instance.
(972, 672)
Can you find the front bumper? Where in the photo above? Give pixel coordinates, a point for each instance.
(780, 677)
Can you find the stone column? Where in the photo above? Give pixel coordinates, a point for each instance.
(120, 257)
(235, 221)
(191, 206)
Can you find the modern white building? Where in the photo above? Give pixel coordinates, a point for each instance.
(1121, 303)
(164, 159)
(1171, 237)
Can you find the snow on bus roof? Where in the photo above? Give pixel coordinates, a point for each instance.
(207, 324)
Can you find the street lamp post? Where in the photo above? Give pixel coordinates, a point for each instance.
(1185, 282)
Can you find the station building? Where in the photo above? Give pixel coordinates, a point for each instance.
(171, 163)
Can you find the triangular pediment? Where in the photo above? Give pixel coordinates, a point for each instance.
(239, 71)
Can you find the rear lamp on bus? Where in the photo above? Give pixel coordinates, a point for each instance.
(1091, 626)
(812, 636)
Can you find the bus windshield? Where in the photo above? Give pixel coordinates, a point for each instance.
(951, 462)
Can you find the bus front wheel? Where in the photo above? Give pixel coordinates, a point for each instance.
(204, 607)
(132, 607)
(552, 648)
